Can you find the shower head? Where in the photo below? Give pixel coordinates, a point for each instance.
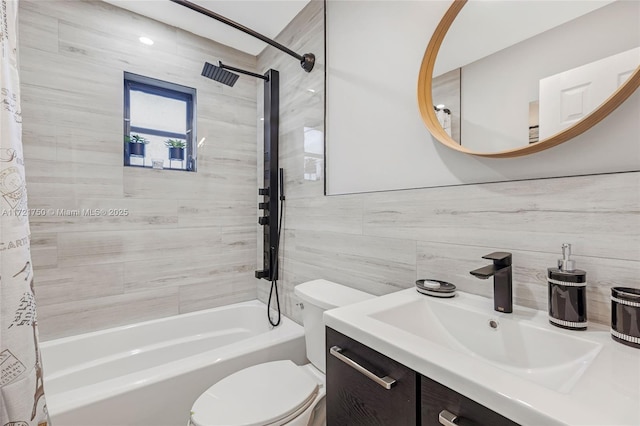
(219, 74)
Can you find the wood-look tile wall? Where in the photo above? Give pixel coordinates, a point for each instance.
(382, 242)
(188, 242)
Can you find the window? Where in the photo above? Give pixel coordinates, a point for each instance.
(159, 124)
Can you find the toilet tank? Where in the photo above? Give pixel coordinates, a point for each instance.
(318, 296)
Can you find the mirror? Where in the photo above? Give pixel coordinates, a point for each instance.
(510, 78)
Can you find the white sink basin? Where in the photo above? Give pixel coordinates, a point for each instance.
(511, 342)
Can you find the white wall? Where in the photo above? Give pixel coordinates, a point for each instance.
(375, 137)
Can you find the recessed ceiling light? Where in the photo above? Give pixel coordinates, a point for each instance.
(440, 106)
(311, 90)
(261, 118)
(146, 40)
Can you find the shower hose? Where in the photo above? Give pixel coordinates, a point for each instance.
(274, 260)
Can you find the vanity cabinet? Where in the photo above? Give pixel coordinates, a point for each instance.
(399, 396)
(436, 398)
(355, 399)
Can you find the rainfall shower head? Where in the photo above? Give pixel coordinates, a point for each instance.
(219, 74)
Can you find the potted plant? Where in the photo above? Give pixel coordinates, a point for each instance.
(136, 145)
(176, 149)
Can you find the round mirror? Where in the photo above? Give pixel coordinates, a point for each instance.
(510, 78)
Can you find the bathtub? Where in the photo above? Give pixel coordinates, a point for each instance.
(151, 373)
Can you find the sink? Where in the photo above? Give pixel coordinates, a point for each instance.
(533, 350)
(516, 364)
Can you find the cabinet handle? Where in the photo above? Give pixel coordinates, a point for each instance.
(386, 381)
(447, 418)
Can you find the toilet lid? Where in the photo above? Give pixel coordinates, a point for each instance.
(258, 395)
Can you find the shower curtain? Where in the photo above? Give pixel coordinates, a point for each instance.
(22, 401)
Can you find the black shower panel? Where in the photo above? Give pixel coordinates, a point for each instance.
(270, 188)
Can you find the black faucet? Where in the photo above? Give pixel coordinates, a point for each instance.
(502, 286)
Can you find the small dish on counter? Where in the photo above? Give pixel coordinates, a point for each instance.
(435, 288)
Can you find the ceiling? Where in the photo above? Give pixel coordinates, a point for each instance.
(267, 17)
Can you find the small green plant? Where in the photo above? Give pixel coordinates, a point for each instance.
(136, 139)
(175, 143)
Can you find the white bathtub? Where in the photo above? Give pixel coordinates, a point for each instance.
(150, 373)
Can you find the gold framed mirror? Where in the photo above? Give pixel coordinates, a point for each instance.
(429, 114)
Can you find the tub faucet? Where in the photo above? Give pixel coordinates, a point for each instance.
(501, 273)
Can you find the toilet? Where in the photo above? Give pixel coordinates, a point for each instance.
(280, 393)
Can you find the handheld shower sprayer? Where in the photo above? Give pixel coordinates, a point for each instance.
(274, 256)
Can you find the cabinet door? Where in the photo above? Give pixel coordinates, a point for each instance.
(355, 399)
(435, 398)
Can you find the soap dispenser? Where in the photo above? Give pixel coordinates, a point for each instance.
(567, 293)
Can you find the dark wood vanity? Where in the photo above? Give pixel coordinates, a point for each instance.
(399, 397)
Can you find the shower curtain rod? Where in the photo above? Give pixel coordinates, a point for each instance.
(307, 61)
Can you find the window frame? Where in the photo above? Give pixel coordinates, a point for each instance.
(169, 90)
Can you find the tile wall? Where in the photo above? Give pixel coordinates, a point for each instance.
(188, 242)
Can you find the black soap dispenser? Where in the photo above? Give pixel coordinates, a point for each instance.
(567, 293)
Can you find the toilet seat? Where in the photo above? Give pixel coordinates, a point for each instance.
(265, 394)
